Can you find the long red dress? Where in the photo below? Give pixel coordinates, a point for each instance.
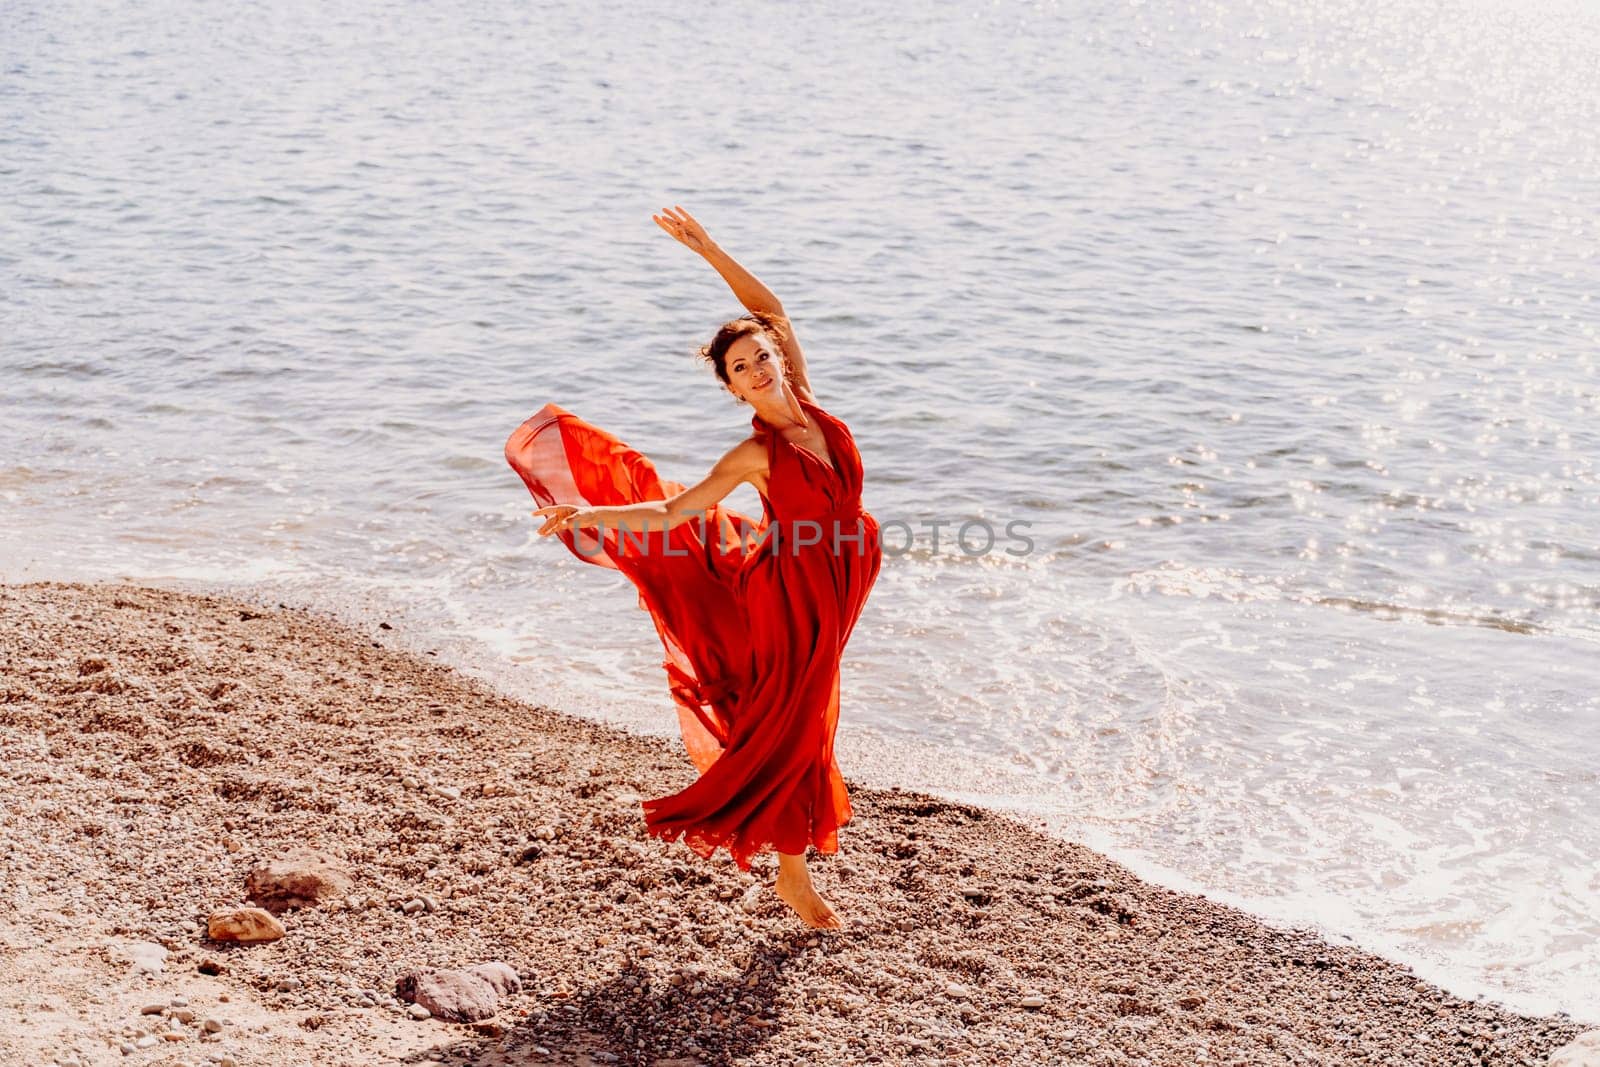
(753, 614)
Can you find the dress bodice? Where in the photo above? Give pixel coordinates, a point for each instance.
(800, 483)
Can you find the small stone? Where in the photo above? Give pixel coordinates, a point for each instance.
(544, 833)
(411, 907)
(957, 991)
(981, 895)
(142, 957)
(183, 1015)
(409, 782)
(212, 1026)
(1191, 1002)
(128, 1048)
(211, 967)
(179, 1002)
(227, 1061)
(417, 1011)
(152, 1009)
(1033, 1000)
(751, 900)
(288, 985)
(244, 924)
(148, 1041)
(449, 792)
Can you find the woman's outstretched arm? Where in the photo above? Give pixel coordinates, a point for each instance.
(755, 296)
(743, 460)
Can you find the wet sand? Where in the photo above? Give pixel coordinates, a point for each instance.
(155, 746)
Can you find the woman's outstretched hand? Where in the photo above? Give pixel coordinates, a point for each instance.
(682, 226)
(563, 517)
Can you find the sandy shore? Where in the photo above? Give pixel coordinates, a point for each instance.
(156, 746)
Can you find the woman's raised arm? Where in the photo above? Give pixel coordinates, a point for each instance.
(755, 297)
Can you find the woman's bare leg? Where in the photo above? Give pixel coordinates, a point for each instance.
(794, 886)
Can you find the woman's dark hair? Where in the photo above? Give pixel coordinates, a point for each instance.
(716, 353)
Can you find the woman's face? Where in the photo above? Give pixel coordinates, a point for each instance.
(754, 369)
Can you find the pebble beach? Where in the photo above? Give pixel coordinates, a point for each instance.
(172, 761)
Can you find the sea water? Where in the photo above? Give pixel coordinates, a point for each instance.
(1275, 323)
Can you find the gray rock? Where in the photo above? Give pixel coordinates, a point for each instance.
(500, 975)
(418, 1011)
(141, 957)
(455, 996)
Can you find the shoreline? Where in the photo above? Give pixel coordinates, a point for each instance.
(160, 743)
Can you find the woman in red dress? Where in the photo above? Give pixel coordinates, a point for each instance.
(754, 614)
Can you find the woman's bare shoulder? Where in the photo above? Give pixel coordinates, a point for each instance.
(749, 454)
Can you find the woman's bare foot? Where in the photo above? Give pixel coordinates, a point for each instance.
(795, 889)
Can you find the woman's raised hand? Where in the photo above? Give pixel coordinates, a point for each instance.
(682, 226)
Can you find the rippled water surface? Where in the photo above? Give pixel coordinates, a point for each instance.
(1275, 321)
